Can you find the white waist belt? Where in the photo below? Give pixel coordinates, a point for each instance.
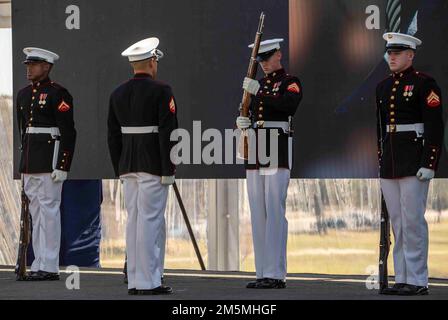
(35, 130)
(272, 125)
(139, 130)
(419, 128)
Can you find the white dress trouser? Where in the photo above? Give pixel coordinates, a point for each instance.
(145, 199)
(45, 201)
(406, 202)
(267, 200)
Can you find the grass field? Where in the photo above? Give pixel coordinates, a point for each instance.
(353, 252)
(338, 252)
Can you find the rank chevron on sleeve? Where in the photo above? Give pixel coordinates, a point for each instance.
(293, 88)
(433, 100)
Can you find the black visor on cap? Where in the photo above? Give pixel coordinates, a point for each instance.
(34, 59)
(398, 47)
(266, 55)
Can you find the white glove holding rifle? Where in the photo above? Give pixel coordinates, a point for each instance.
(243, 123)
(250, 85)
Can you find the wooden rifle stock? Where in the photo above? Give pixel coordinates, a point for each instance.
(384, 245)
(25, 226)
(243, 152)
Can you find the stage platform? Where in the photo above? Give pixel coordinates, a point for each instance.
(107, 284)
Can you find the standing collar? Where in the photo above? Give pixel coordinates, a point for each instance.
(141, 75)
(41, 83)
(277, 73)
(399, 75)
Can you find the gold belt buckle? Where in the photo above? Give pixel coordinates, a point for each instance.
(393, 128)
(260, 124)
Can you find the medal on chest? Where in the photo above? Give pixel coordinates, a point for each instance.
(408, 91)
(43, 99)
(276, 86)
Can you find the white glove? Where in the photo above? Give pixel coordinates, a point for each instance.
(167, 180)
(425, 174)
(243, 123)
(251, 86)
(59, 176)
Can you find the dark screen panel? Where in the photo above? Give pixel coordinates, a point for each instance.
(338, 60)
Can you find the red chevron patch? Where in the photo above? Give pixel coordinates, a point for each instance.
(294, 87)
(172, 105)
(433, 100)
(63, 107)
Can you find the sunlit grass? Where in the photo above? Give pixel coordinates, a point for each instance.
(338, 252)
(350, 252)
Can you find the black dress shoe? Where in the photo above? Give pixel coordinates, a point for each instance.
(125, 279)
(156, 291)
(254, 284)
(26, 276)
(393, 291)
(272, 284)
(42, 276)
(132, 292)
(411, 290)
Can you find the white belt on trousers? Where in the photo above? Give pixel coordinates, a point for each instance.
(54, 132)
(418, 128)
(139, 130)
(284, 125)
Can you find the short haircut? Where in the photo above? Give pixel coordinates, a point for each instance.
(140, 64)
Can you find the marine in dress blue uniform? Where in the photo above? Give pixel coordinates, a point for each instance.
(45, 119)
(275, 99)
(410, 136)
(142, 116)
